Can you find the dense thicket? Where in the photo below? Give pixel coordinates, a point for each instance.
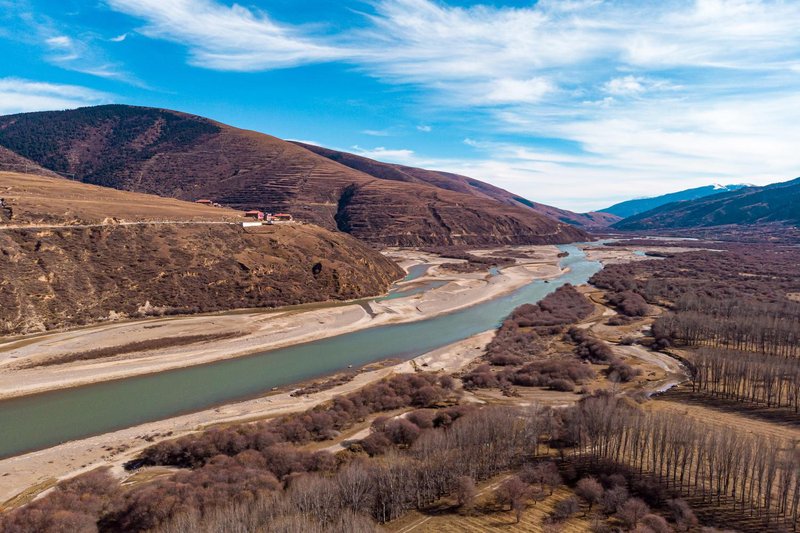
(520, 346)
(320, 423)
(519, 337)
(316, 492)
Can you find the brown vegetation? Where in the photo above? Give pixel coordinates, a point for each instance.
(754, 378)
(464, 184)
(716, 464)
(519, 337)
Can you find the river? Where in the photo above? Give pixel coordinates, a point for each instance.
(43, 420)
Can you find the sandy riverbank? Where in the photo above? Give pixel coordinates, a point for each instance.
(43, 468)
(244, 333)
(609, 255)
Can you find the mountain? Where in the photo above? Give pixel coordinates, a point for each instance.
(779, 202)
(458, 183)
(74, 254)
(183, 156)
(640, 205)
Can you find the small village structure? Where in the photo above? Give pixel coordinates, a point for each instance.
(259, 218)
(255, 214)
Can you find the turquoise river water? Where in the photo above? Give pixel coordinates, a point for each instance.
(42, 420)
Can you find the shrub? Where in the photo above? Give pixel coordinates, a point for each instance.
(565, 509)
(632, 511)
(563, 385)
(589, 490)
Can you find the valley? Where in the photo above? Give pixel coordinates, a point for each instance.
(182, 339)
(399, 266)
(32, 364)
(481, 307)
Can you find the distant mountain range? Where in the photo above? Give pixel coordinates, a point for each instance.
(779, 202)
(630, 208)
(184, 156)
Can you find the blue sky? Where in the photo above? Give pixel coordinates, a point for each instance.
(576, 103)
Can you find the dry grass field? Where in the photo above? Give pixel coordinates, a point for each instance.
(44, 200)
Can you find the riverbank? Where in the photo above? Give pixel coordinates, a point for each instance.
(30, 473)
(42, 469)
(32, 365)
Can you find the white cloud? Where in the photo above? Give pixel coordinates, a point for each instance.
(21, 96)
(388, 155)
(304, 141)
(61, 41)
(642, 96)
(119, 38)
(425, 128)
(228, 38)
(75, 50)
(508, 90)
(636, 85)
(377, 133)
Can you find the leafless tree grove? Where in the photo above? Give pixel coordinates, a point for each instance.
(720, 464)
(747, 377)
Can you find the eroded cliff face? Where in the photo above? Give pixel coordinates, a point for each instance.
(67, 277)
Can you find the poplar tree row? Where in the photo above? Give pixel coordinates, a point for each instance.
(719, 464)
(747, 377)
(772, 329)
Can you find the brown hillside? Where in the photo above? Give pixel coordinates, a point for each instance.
(67, 275)
(12, 162)
(188, 157)
(55, 200)
(459, 183)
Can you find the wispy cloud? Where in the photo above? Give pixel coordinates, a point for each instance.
(642, 92)
(377, 133)
(65, 46)
(231, 38)
(21, 96)
(388, 155)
